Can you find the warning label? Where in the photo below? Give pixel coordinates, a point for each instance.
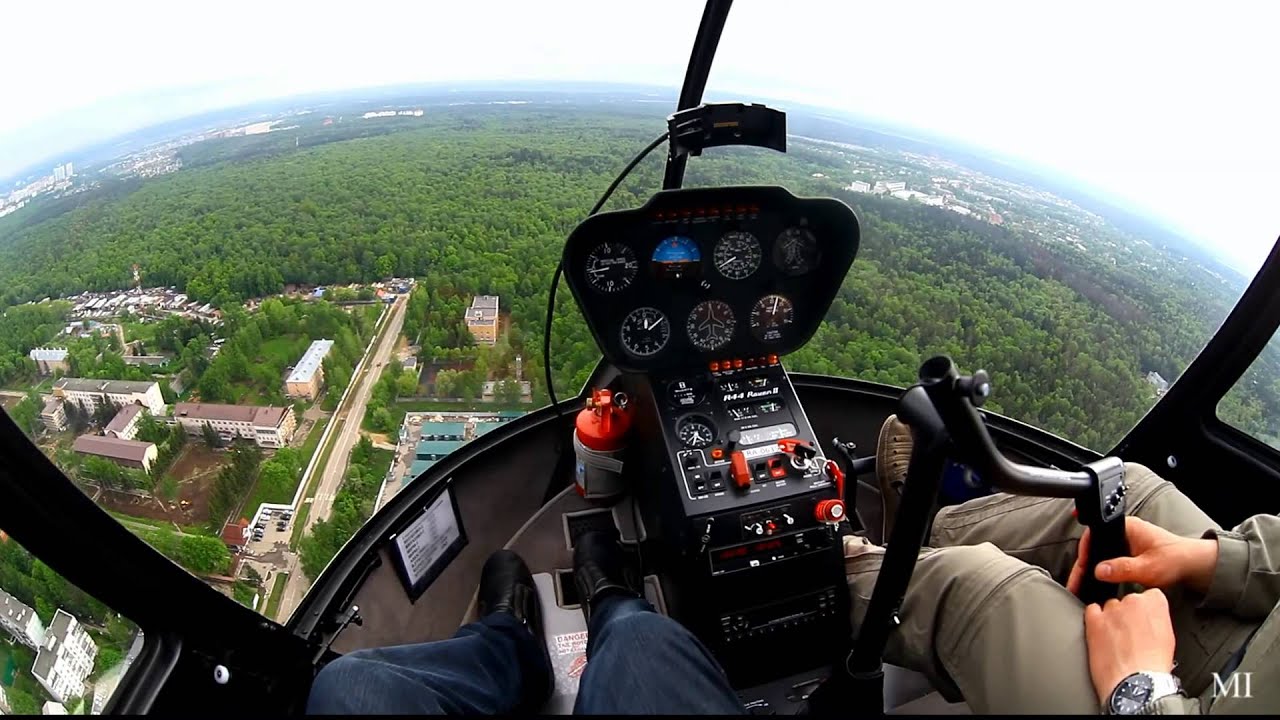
(573, 643)
(568, 661)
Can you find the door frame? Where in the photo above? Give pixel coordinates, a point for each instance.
(188, 626)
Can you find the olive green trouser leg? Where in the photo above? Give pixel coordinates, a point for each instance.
(1042, 532)
(986, 612)
(1002, 631)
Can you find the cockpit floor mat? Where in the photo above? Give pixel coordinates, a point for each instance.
(566, 636)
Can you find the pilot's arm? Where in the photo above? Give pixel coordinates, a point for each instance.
(1237, 571)
(1246, 577)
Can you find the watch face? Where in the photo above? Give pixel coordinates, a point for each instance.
(1131, 694)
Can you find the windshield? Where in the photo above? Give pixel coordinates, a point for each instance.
(248, 297)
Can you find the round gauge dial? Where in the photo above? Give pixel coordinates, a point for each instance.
(611, 267)
(711, 324)
(796, 251)
(696, 432)
(676, 258)
(737, 254)
(645, 331)
(770, 318)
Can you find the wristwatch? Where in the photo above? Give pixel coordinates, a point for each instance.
(1139, 691)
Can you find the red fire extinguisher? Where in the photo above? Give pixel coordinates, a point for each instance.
(599, 441)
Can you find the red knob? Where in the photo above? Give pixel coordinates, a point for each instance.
(829, 511)
(739, 471)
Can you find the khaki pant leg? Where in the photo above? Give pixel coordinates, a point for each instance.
(1042, 532)
(1002, 632)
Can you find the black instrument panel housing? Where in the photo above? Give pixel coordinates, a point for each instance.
(704, 215)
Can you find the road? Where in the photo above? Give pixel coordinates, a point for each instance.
(347, 426)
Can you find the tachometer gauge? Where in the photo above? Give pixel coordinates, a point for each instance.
(737, 254)
(796, 251)
(611, 267)
(696, 432)
(710, 324)
(645, 331)
(770, 318)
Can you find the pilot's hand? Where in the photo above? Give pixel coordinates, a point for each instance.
(1133, 634)
(1159, 559)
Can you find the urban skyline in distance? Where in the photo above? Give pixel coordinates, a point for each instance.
(258, 117)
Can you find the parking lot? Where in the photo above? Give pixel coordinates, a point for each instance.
(272, 539)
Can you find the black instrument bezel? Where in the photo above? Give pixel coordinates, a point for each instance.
(704, 215)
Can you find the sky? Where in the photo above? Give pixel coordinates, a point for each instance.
(1167, 106)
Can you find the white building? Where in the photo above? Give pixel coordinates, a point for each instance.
(20, 621)
(54, 415)
(308, 375)
(90, 392)
(125, 424)
(859, 186)
(59, 173)
(65, 658)
(267, 426)
(53, 708)
(895, 186)
(1158, 382)
(49, 359)
(4, 703)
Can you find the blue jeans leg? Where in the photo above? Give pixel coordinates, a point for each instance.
(640, 662)
(482, 669)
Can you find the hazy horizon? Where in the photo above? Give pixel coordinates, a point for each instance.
(1180, 136)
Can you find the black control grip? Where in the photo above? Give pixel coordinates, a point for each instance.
(1106, 541)
(1103, 511)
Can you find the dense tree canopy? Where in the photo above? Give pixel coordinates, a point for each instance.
(480, 202)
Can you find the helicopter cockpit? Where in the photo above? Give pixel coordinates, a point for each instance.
(730, 481)
(696, 451)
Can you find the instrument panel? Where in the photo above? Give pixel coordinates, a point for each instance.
(699, 274)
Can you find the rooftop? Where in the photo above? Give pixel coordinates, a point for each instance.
(48, 655)
(483, 307)
(259, 416)
(417, 468)
(443, 428)
(49, 354)
(123, 418)
(436, 447)
(235, 533)
(114, 387)
(484, 427)
(112, 447)
(12, 609)
(311, 360)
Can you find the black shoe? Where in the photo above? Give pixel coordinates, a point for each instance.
(600, 569)
(506, 585)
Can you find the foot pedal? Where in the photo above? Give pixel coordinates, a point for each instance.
(567, 590)
(577, 523)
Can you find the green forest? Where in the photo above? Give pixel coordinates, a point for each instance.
(478, 200)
